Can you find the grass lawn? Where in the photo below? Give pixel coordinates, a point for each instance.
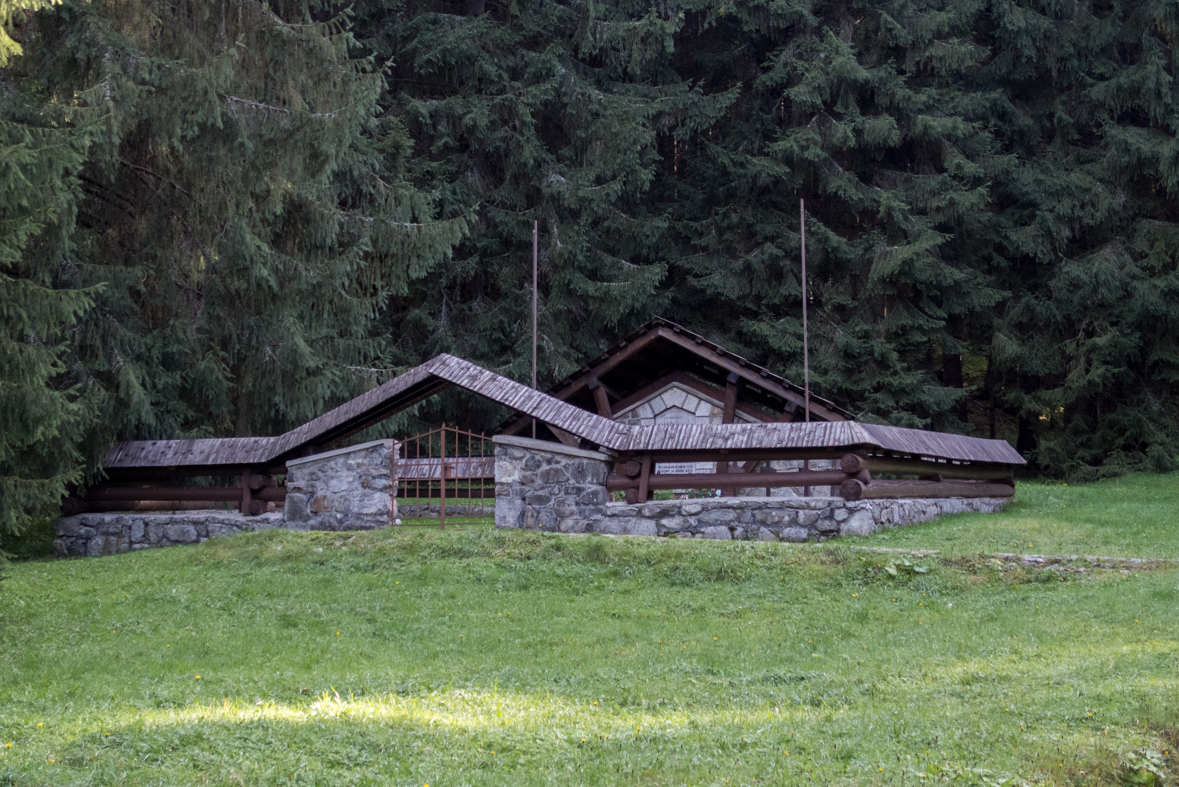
(1134, 516)
(410, 657)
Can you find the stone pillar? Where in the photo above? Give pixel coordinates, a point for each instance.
(548, 486)
(349, 489)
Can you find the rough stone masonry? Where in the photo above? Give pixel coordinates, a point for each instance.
(349, 489)
(548, 486)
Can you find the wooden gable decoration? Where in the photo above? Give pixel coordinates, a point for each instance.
(664, 373)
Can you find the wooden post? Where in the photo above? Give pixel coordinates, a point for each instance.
(645, 478)
(442, 483)
(729, 414)
(600, 399)
(246, 493)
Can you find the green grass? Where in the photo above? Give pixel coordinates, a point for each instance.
(1133, 516)
(476, 656)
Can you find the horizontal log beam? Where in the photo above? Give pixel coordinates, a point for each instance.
(853, 463)
(746, 455)
(854, 489)
(733, 480)
(209, 494)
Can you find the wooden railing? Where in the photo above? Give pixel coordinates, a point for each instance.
(858, 476)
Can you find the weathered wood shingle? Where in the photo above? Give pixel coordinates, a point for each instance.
(446, 370)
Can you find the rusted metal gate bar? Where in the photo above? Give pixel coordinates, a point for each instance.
(432, 466)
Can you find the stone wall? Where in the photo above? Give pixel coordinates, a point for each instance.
(109, 534)
(778, 518)
(350, 489)
(548, 486)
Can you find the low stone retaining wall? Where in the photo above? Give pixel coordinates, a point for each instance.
(778, 518)
(108, 534)
(552, 487)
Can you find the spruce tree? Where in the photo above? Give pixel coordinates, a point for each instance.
(40, 421)
(242, 203)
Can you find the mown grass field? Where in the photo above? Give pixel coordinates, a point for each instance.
(480, 657)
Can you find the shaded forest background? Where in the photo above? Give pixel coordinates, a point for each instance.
(221, 217)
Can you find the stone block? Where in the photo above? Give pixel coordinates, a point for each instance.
(574, 525)
(628, 526)
(538, 499)
(718, 516)
(594, 496)
(718, 532)
(825, 524)
(675, 523)
(563, 507)
(765, 534)
(552, 475)
(68, 526)
(181, 534)
(320, 504)
(691, 509)
(859, 523)
(136, 531)
(508, 512)
(794, 534)
(839, 514)
(533, 462)
(539, 517)
(774, 516)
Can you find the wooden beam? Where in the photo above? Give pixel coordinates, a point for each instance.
(209, 494)
(565, 437)
(920, 467)
(728, 364)
(854, 489)
(600, 398)
(730, 408)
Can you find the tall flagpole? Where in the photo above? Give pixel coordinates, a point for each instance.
(534, 299)
(806, 350)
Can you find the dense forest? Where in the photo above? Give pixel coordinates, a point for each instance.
(219, 217)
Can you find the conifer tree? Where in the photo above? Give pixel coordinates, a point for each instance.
(242, 205)
(39, 422)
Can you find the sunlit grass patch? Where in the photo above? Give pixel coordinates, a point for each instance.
(1132, 516)
(488, 657)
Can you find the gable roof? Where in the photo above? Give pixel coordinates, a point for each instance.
(661, 347)
(421, 382)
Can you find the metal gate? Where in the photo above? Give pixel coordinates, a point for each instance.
(446, 474)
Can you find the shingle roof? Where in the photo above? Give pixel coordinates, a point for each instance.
(445, 370)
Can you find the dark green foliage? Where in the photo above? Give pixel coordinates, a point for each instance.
(989, 193)
(39, 422)
(287, 203)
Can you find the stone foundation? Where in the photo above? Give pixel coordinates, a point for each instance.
(89, 535)
(778, 518)
(548, 486)
(349, 489)
(552, 487)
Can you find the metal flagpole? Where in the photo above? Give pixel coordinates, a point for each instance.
(806, 350)
(534, 298)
